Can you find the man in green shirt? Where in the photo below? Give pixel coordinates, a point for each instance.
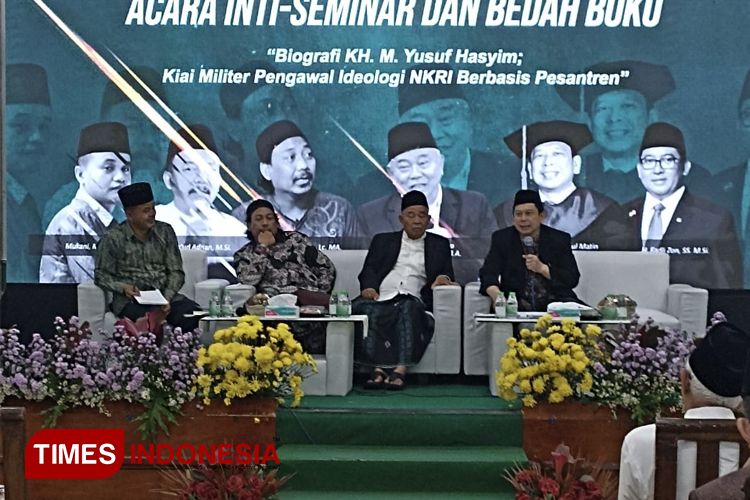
(142, 254)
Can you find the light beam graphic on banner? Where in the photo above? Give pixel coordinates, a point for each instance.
(399, 188)
(137, 99)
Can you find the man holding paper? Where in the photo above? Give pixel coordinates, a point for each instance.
(142, 254)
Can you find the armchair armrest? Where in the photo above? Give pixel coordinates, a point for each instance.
(476, 337)
(205, 288)
(447, 311)
(93, 304)
(689, 305)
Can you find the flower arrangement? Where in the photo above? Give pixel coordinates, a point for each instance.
(553, 362)
(568, 479)
(231, 482)
(72, 370)
(642, 373)
(250, 358)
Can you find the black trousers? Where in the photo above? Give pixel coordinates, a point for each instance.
(179, 307)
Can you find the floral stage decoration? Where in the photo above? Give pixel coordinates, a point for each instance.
(568, 478)
(636, 368)
(71, 370)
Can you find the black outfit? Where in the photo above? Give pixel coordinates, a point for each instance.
(701, 240)
(626, 186)
(727, 188)
(399, 329)
(594, 221)
(505, 260)
(23, 240)
(467, 213)
(496, 177)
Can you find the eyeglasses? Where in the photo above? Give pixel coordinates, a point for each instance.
(667, 162)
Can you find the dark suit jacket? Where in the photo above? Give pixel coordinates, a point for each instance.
(726, 189)
(623, 187)
(466, 212)
(497, 177)
(505, 260)
(727, 487)
(383, 254)
(697, 224)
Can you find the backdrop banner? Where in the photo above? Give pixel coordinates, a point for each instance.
(99, 95)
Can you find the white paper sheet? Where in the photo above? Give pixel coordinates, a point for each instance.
(151, 298)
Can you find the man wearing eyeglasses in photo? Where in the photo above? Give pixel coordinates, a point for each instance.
(698, 235)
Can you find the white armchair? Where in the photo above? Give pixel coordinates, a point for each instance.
(443, 355)
(642, 276)
(93, 302)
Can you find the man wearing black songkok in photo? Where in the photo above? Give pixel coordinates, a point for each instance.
(594, 221)
(416, 163)
(28, 118)
(698, 235)
(446, 110)
(142, 254)
(400, 271)
(288, 169)
(530, 258)
(102, 169)
(618, 116)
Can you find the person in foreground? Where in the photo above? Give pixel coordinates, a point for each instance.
(401, 270)
(711, 384)
(532, 259)
(730, 487)
(142, 254)
(276, 261)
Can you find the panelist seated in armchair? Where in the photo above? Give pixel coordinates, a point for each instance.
(275, 261)
(531, 259)
(711, 384)
(142, 254)
(400, 271)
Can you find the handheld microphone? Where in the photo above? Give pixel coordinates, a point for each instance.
(528, 245)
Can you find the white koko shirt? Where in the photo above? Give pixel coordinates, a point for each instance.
(408, 276)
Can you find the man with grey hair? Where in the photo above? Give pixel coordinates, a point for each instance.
(730, 487)
(711, 384)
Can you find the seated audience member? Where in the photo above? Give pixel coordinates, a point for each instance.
(102, 168)
(277, 262)
(194, 177)
(288, 169)
(530, 258)
(142, 254)
(711, 384)
(400, 271)
(730, 486)
(698, 235)
(594, 221)
(416, 164)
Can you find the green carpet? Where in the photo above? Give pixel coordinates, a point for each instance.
(443, 441)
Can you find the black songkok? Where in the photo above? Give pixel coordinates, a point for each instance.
(273, 135)
(202, 132)
(664, 135)
(26, 84)
(136, 194)
(414, 198)
(718, 361)
(412, 95)
(524, 196)
(104, 137)
(409, 136)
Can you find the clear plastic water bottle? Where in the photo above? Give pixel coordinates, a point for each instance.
(332, 303)
(214, 305)
(226, 305)
(344, 305)
(511, 306)
(500, 305)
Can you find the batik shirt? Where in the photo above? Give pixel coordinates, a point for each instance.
(290, 264)
(155, 264)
